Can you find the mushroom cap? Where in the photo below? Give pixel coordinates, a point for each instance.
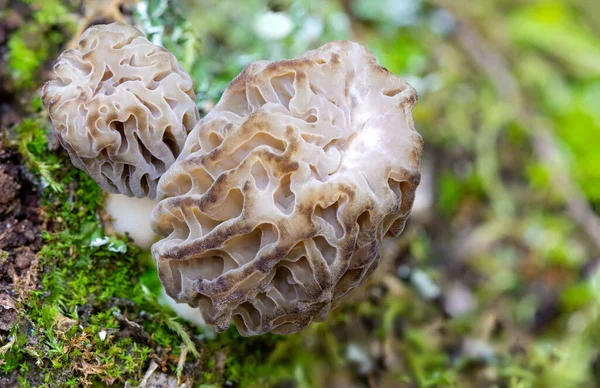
(277, 206)
(122, 107)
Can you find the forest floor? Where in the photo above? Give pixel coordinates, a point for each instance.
(494, 282)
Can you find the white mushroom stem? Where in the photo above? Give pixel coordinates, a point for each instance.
(184, 311)
(132, 216)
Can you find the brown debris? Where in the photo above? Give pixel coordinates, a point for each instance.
(100, 11)
(20, 235)
(8, 312)
(8, 188)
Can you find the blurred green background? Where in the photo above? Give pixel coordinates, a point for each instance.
(495, 281)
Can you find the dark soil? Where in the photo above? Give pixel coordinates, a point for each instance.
(20, 234)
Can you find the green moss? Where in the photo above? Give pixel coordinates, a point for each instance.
(37, 40)
(95, 318)
(85, 289)
(32, 144)
(23, 60)
(454, 189)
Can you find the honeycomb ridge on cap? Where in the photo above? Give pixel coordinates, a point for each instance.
(122, 107)
(277, 205)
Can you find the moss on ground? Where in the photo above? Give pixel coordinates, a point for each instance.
(497, 230)
(37, 39)
(94, 318)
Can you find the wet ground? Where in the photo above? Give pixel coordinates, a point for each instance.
(20, 234)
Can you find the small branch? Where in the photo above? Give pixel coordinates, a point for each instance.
(151, 369)
(181, 362)
(110, 11)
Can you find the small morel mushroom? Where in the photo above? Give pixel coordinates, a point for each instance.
(122, 107)
(279, 201)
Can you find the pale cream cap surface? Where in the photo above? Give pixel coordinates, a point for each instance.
(277, 206)
(122, 107)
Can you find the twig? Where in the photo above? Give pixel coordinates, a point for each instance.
(151, 369)
(181, 362)
(6, 347)
(107, 9)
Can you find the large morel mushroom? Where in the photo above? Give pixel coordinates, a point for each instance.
(279, 201)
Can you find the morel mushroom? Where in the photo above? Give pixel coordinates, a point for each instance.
(277, 206)
(122, 107)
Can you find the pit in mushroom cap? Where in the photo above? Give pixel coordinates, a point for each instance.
(122, 107)
(277, 206)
